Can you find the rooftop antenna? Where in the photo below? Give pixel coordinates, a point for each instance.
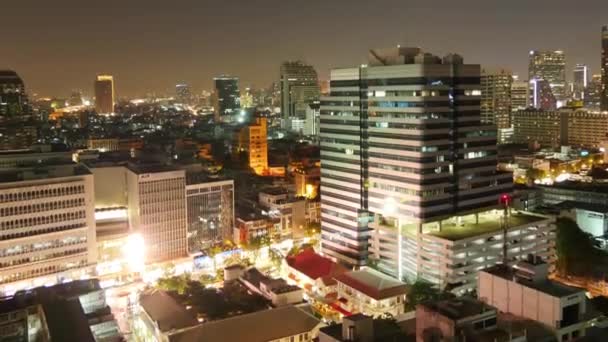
(505, 202)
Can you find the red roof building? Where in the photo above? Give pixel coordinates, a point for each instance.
(314, 269)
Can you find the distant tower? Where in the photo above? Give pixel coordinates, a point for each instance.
(549, 66)
(299, 88)
(184, 95)
(13, 100)
(227, 98)
(604, 95)
(581, 79)
(496, 99)
(104, 94)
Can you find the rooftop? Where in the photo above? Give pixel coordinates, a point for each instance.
(202, 177)
(150, 168)
(373, 283)
(488, 222)
(314, 266)
(259, 326)
(165, 311)
(457, 308)
(45, 171)
(595, 207)
(546, 286)
(578, 186)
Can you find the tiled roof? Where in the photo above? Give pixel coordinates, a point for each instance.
(314, 265)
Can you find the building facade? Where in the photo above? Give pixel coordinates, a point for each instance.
(520, 95)
(13, 99)
(252, 140)
(157, 210)
(402, 137)
(549, 66)
(299, 88)
(227, 96)
(554, 128)
(48, 226)
(580, 81)
(604, 66)
(104, 94)
(496, 100)
(210, 211)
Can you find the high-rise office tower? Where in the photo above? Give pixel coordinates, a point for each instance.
(47, 218)
(520, 95)
(542, 95)
(593, 93)
(496, 100)
(402, 138)
(13, 99)
(580, 81)
(104, 94)
(549, 66)
(227, 101)
(299, 88)
(157, 210)
(604, 66)
(184, 95)
(210, 208)
(252, 140)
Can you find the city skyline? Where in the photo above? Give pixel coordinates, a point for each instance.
(151, 48)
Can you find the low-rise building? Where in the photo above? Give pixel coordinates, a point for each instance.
(76, 311)
(288, 209)
(276, 290)
(463, 319)
(371, 293)
(252, 224)
(524, 290)
(160, 317)
(285, 324)
(313, 272)
(362, 328)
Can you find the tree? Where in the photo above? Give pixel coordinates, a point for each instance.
(255, 244)
(422, 291)
(213, 251)
(178, 284)
(577, 251)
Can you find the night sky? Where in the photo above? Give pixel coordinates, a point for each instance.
(149, 45)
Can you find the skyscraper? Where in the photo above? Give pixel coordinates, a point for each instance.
(104, 94)
(402, 138)
(227, 98)
(604, 66)
(549, 66)
(13, 99)
(299, 88)
(581, 78)
(496, 99)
